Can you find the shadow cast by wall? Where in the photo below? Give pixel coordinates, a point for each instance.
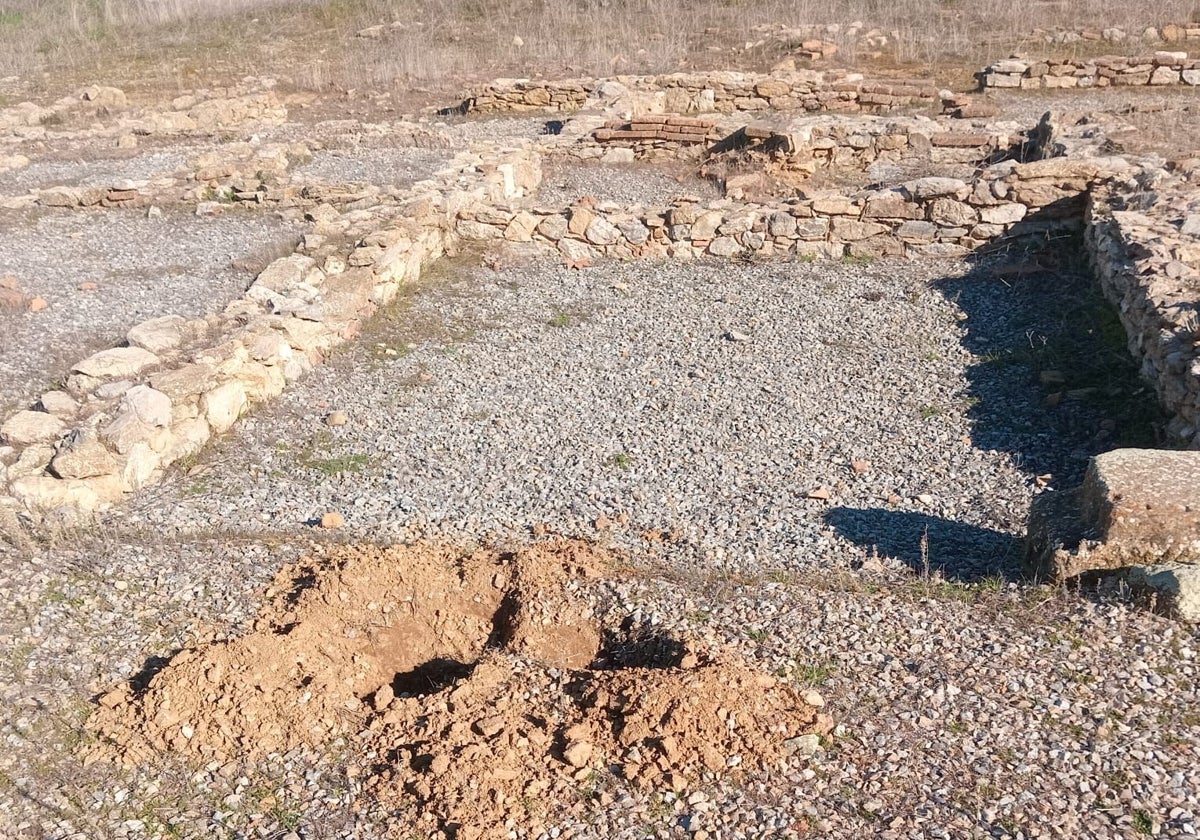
(1054, 382)
(959, 552)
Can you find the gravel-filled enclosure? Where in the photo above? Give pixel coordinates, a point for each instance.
(754, 416)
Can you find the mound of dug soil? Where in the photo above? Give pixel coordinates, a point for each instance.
(479, 692)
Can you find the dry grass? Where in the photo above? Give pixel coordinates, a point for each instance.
(313, 43)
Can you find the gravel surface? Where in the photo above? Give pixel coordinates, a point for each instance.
(649, 186)
(398, 167)
(497, 131)
(89, 172)
(707, 401)
(962, 711)
(176, 264)
(826, 466)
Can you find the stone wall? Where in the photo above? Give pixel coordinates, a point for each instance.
(857, 143)
(933, 216)
(233, 173)
(658, 135)
(1145, 246)
(1159, 69)
(1171, 33)
(803, 144)
(688, 93)
(129, 412)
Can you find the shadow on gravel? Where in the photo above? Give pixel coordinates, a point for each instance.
(1054, 382)
(959, 552)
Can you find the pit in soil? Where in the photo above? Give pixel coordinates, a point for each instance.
(477, 690)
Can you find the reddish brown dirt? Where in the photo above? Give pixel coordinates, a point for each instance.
(476, 690)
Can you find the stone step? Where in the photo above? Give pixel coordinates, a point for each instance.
(1137, 513)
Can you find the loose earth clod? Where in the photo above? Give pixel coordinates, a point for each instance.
(480, 687)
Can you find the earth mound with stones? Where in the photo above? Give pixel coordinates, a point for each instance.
(475, 690)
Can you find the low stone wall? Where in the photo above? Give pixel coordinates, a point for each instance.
(860, 142)
(1145, 246)
(129, 412)
(1170, 33)
(925, 217)
(233, 173)
(203, 111)
(1159, 69)
(657, 135)
(688, 93)
(803, 144)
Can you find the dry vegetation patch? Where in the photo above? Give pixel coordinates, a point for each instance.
(365, 43)
(475, 689)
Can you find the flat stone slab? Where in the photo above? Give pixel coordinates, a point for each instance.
(1142, 499)
(1137, 513)
(116, 363)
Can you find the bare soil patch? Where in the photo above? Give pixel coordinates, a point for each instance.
(476, 690)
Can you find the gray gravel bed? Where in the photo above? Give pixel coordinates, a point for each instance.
(961, 711)
(649, 186)
(176, 264)
(398, 167)
(498, 131)
(708, 400)
(494, 402)
(89, 172)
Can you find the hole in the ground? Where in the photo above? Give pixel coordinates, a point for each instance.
(431, 677)
(635, 645)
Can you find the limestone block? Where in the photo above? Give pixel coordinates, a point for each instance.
(602, 232)
(892, 207)
(86, 495)
(158, 335)
(705, 227)
(86, 457)
(812, 229)
(851, 230)
(947, 211)
(834, 206)
(782, 224)
(27, 427)
(476, 231)
(188, 436)
(140, 465)
(1164, 76)
(223, 405)
(1003, 214)
(150, 406)
(117, 363)
(184, 383)
(724, 246)
(634, 231)
(285, 273)
(576, 251)
(579, 220)
(917, 231)
(923, 189)
(1136, 507)
(553, 228)
(127, 430)
(60, 404)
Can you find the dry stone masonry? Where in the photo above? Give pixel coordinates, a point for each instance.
(1159, 69)
(931, 216)
(689, 93)
(129, 412)
(1144, 238)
